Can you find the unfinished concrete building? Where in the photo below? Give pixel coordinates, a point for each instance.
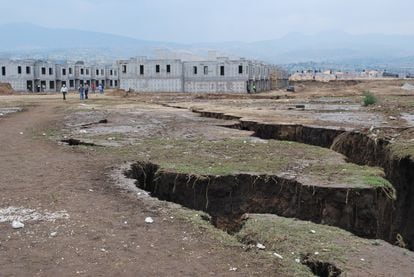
(65, 75)
(83, 74)
(98, 74)
(145, 75)
(44, 76)
(111, 76)
(216, 76)
(279, 78)
(19, 74)
(221, 75)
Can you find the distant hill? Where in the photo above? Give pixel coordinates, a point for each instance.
(31, 37)
(325, 47)
(329, 46)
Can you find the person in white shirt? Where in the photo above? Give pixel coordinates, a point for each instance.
(64, 90)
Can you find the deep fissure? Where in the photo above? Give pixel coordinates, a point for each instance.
(228, 198)
(359, 148)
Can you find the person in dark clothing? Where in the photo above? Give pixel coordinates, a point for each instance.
(81, 91)
(86, 91)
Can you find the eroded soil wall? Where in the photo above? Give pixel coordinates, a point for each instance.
(359, 148)
(362, 149)
(362, 211)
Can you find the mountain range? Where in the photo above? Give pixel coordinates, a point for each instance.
(27, 40)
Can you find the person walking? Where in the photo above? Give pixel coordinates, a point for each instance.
(81, 91)
(93, 87)
(64, 90)
(100, 88)
(86, 90)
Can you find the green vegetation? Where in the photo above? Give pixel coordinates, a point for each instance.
(376, 181)
(403, 149)
(369, 98)
(198, 156)
(292, 239)
(205, 231)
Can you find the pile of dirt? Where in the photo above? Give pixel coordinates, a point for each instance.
(118, 92)
(6, 89)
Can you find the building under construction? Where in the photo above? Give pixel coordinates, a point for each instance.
(219, 75)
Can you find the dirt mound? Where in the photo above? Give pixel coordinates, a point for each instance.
(118, 92)
(6, 89)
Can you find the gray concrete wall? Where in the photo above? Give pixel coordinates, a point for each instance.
(207, 76)
(22, 80)
(221, 75)
(112, 76)
(155, 76)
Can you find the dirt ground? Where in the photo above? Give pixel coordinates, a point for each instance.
(82, 222)
(105, 234)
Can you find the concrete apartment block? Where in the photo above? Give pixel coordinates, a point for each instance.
(222, 75)
(112, 76)
(144, 75)
(83, 74)
(215, 76)
(98, 74)
(19, 74)
(44, 76)
(65, 75)
(260, 76)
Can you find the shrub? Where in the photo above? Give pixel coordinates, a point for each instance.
(369, 98)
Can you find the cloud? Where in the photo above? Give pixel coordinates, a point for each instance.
(213, 20)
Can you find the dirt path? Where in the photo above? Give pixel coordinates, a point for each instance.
(105, 234)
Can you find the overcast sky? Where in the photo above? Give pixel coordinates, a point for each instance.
(214, 20)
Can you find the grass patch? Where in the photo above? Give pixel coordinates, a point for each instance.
(403, 149)
(235, 156)
(376, 181)
(292, 239)
(349, 173)
(205, 231)
(369, 98)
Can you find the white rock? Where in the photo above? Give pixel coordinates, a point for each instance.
(53, 234)
(233, 269)
(21, 133)
(313, 231)
(44, 134)
(260, 246)
(17, 224)
(297, 260)
(316, 253)
(149, 220)
(277, 255)
(362, 260)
